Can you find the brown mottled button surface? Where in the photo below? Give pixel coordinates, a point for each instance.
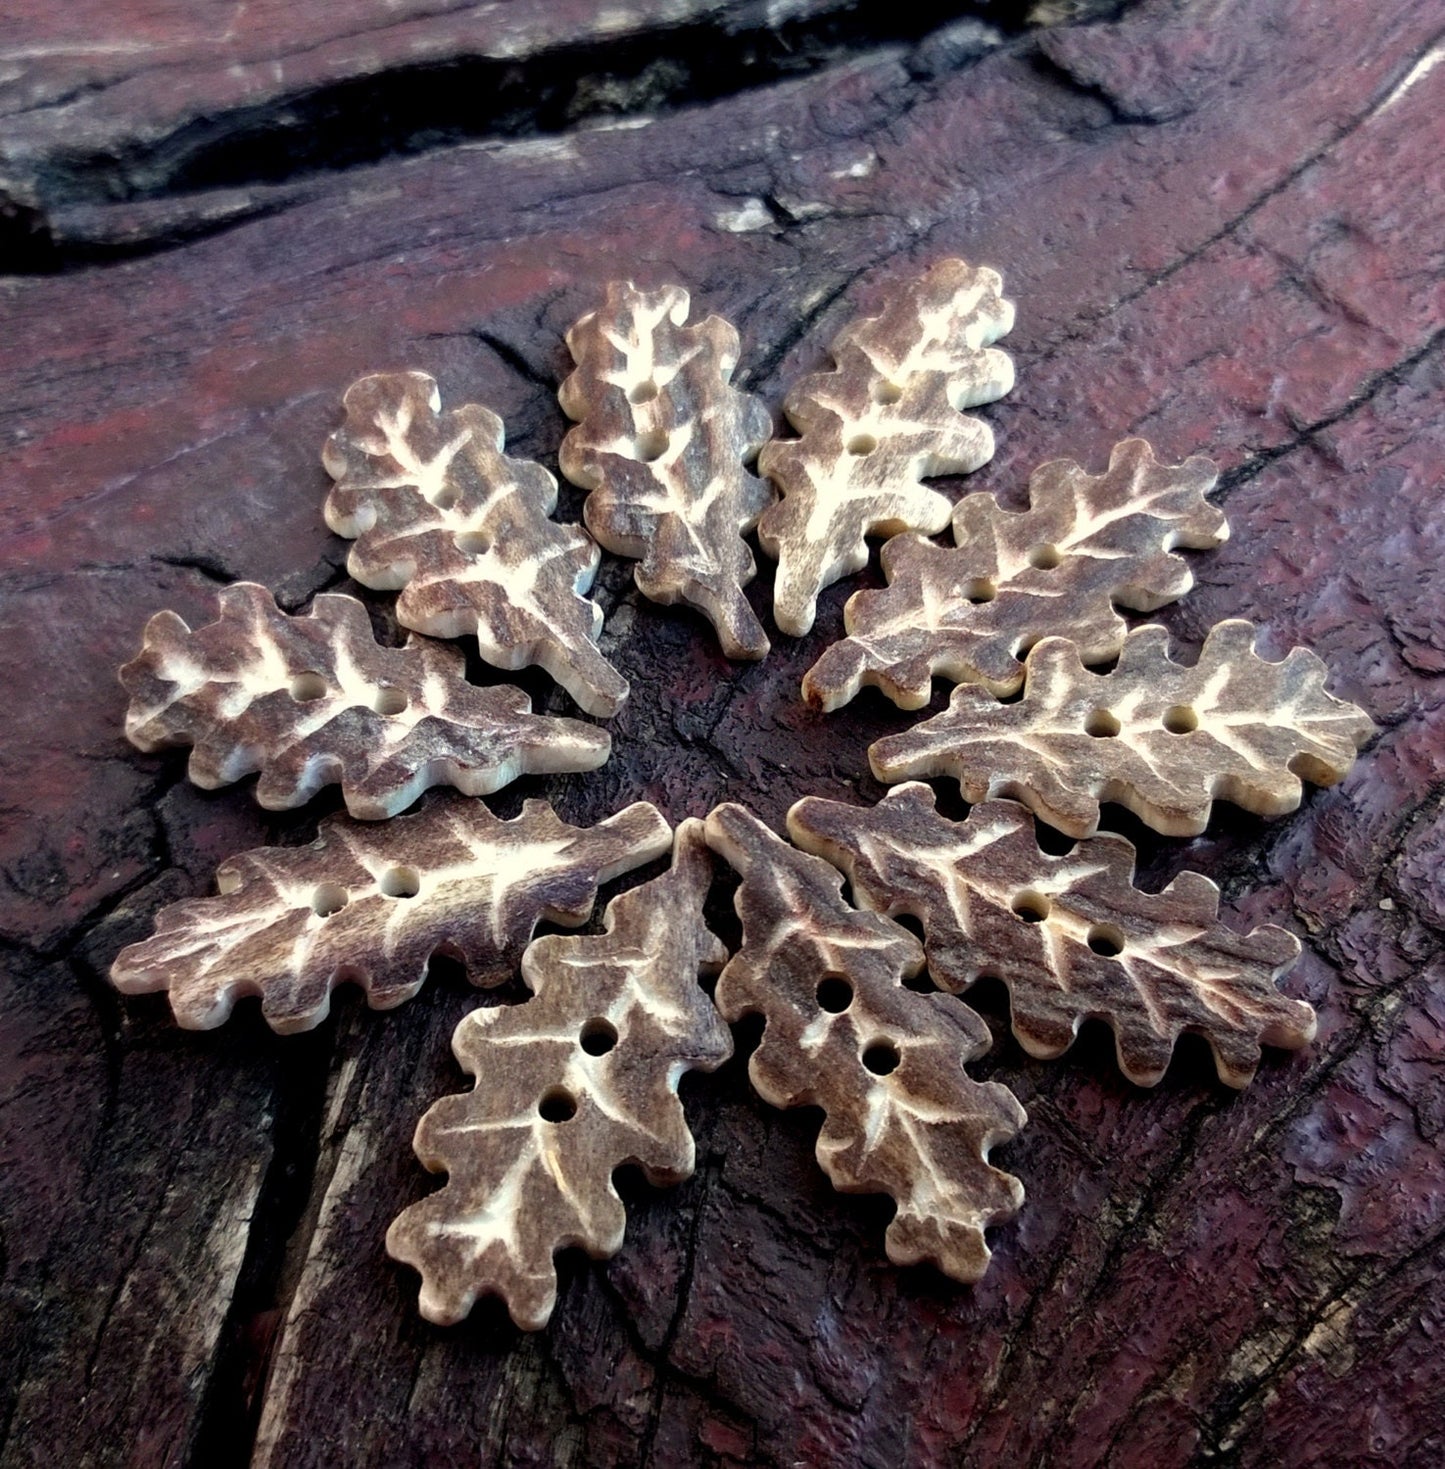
(570, 1085)
(1162, 739)
(662, 440)
(888, 415)
(1071, 936)
(884, 1062)
(316, 699)
(969, 612)
(372, 902)
(438, 511)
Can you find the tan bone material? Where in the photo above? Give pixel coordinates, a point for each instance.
(969, 612)
(1071, 936)
(570, 1085)
(372, 903)
(463, 530)
(1163, 739)
(661, 442)
(888, 415)
(313, 699)
(884, 1062)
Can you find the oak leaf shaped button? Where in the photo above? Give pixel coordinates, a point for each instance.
(438, 511)
(313, 699)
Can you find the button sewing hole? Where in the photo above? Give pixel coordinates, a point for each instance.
(881, 1057)
(598, 1036)
(557, 1105)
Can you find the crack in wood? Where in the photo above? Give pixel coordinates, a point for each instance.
(407, 109)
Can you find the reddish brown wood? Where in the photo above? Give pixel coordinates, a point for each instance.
(1221, 224)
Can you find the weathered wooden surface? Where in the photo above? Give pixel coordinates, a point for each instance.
(1222, 222)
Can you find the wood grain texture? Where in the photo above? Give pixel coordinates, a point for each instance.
(1219, 238)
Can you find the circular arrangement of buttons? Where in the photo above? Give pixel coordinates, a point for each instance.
(1058, 706)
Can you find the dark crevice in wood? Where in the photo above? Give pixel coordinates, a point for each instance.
(760, 368)
(230, 1413)
(1372, 386)
(69, 946)
(1082, 327)
(516, 361)
(415, 109)
(207, 564)
(1226, 1422)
